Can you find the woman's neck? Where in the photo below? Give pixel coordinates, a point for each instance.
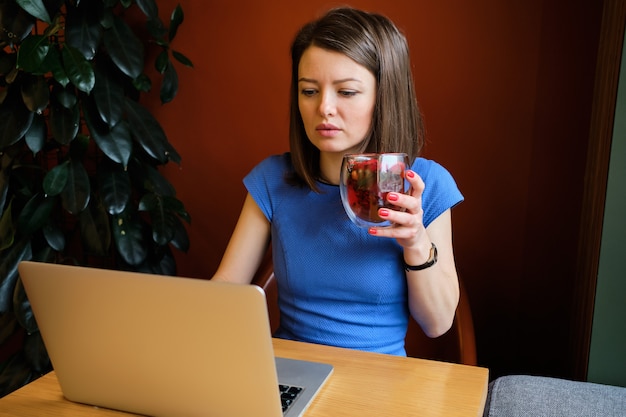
(330, 167)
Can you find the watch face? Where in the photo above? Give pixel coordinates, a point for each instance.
(433, 253)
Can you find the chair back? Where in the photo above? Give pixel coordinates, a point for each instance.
(458, 345)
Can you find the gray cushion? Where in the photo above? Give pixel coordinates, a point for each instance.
(534, 396)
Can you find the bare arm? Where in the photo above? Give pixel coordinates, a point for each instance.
(434, 291)
(246, 247)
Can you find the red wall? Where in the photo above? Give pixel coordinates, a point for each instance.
(505, 87)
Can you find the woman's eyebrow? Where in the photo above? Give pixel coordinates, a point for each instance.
(343, 80)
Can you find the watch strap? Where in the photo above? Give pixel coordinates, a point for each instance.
(432, 259)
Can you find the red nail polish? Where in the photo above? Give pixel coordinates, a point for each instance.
(410, 174)
(392, 197)
(383, 212)
(371, 231)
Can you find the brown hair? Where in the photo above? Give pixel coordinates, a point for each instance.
(374, 42)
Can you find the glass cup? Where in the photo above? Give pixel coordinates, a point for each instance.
(365, 181)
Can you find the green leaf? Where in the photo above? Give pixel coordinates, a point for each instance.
(169, 204)
(121, 141)
(15, 119)
(149, 178)
(76, 194)
(95, 229)
(163, 226)
(115, 187)
(35, 8)
(35, 93)
(22, 310)
(32, 52)
(172, 154)
(35, 214)
(7, 229)
(5, 180)
(185, 216)
(65, 96)
(147, 131)
(181, 238)
(182, 59)
(108, 95)
(64, 122)
(162, 218)
(162, 61)
(161, 261)
(149, 8)
(9, 260)
(54, 236)
(106, 21)
(129, 239)
(116, 143)
(82, 28)
(125, 49)
(176, 19)
(35, 136)
(142, 83)
(6, 161)
(16, 23)
(148, 202)
(169, 87)
(157, 30)
(78, 69)
(174, 205)
(54, 64)
(55, 180)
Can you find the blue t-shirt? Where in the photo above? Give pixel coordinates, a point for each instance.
(338, 285)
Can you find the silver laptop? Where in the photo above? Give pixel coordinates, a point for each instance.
(164, 346)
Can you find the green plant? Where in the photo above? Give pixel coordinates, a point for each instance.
(79, 153)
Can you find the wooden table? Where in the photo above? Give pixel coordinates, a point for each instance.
(362, 384)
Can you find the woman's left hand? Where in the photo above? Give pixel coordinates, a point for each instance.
(408, 228)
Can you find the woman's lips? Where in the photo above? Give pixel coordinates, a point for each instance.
(327, 130)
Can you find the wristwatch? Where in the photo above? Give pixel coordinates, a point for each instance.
(432, 259)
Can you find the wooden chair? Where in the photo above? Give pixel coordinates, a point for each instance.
(458, 345)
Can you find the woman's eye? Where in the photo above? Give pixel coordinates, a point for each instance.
(348, 93)
(308, 92)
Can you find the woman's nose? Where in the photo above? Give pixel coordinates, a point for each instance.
(328, 106)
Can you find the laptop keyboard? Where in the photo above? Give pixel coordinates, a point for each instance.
(288, 395)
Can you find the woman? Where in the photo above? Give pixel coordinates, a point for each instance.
(352, 91)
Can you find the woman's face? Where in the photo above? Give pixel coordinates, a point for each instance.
(336, 100)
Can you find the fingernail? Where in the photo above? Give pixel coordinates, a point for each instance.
(383, 212)
(392, 197)
(410, 174)
(371, 231)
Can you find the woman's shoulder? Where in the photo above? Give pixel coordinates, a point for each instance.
(428, 168)
(438, 179)
(276, 162)
(271, 171)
